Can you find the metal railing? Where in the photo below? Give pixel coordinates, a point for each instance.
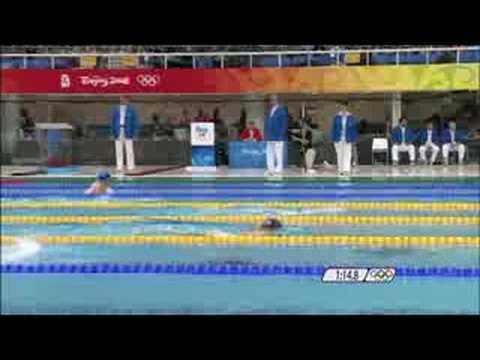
(333, 57)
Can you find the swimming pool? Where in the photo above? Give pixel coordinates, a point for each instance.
(166, 246)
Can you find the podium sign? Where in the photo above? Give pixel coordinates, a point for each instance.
(202, 137)
(203, 134)
(251, 155)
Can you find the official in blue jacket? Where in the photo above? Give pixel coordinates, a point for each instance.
(428, 138)
(451, 142)
(343, 134)
(403, 138)
(276, 136)
(124, 128)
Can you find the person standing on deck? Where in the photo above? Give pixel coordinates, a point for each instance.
(124, 128)
(344, 133)
(276, 136)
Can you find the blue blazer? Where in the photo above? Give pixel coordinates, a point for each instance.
(446, 138)
(276, 126)
(351, 134)
(397, 135)
(131, 122)
(423, 136)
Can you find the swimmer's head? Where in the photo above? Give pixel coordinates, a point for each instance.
(103, 176)
(271, 224)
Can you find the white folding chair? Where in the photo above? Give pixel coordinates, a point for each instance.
(380, 146)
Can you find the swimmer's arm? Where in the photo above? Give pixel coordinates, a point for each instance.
(90, 190)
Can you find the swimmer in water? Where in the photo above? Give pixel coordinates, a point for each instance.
(101, 186)
(271, 224)
(267, 227)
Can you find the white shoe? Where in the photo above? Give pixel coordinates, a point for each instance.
(311, 171)
(268, 173)
(327, 165)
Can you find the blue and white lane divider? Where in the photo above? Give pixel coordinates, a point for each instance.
(254, 186)
(267, 190)
(221, 269)
(252, 196)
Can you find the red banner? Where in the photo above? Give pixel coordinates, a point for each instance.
(319, 80)
(88, 81)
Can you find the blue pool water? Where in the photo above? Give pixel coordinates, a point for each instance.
(184, 293)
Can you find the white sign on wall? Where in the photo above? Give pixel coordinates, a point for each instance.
(202, 134)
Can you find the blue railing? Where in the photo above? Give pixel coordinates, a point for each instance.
(335, 57)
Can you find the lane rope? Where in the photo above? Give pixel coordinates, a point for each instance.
(135, 186)
(218, 269)
(250, 219)
(254, 239)
(278, 196)
(206, 178)
(360, 205)
(5, 191)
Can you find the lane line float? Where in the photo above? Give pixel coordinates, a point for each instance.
(250, 219)
(362, 205)
(254, 240)
(220, 269)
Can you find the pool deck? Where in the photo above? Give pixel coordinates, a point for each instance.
(223, 172)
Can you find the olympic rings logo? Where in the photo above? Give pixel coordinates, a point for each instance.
(148, 80)
(381, 274)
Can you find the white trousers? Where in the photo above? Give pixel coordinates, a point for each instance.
(120, 144)
(446, 148)
(423, 150)
(275, 156)
(344, 156)
(403, 148)
(309, 158)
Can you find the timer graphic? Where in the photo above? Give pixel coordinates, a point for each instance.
(359, 275)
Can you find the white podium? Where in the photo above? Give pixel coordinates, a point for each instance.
(202, 137)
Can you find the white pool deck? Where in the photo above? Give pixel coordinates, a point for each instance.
(369, 171)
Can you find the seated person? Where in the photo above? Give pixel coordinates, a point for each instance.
(451, 142)
(476, 135)
(304, 136)
(202, 117)
(402, 138)
(101, 186)
(160, 130)
(221, 130)
(429, 140)
(251, 133)
(27, 125)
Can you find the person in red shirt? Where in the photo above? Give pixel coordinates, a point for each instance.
(202, 117)
(251, 133)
